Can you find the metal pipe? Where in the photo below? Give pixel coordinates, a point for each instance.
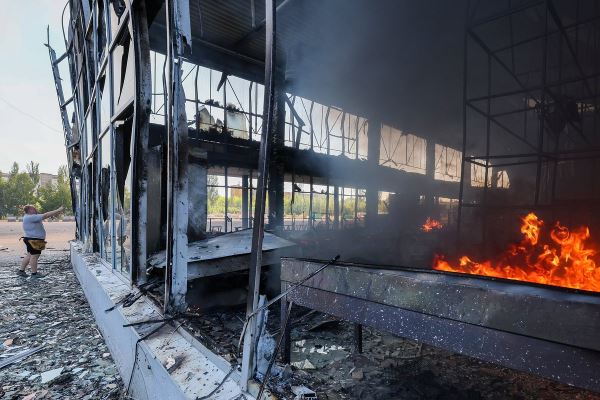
(461, 189)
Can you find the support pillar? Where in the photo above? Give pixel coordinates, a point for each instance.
(177, 159)
(198, 194)
(268, 132)
(336, 207)
(430, 173)
(286, 329)
(358, 338)
(372, 194)
(276, 167)
(143, 108)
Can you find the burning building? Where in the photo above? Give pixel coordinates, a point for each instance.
(426, 169)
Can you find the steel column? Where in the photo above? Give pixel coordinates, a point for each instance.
(141, 129)
(177, 161)
(269, 125)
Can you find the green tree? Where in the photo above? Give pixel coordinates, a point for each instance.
(33, 169)
(51, 196)
(14, 170)
(3, 208)
(18, 191)
(213, 192)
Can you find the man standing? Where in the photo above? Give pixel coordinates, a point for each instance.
(34, 238)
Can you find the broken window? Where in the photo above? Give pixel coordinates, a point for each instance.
(322, 210)
(354, 130)
(447, 163)
(352, 206)
(333, 126)
(215, 102)
(448, 209)
(230, 199)
(106, 196)
(383, 202)
(501, 179)
(238, 103)
(297, 203)
(122, 151)
(116, 9)
(123, 72)
(478, 174)
(103, 85)
(90, 130)
(402, 151)
(101, 29)
(216, 193)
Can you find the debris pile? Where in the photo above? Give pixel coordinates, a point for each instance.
(48, 337)
(324, 361)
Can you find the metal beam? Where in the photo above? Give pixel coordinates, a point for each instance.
(538, 329)
(177, 162)
(373, 153)
(250, 339)
(256, 28)
(141, 129)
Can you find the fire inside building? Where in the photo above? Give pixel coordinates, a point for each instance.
(426, 171)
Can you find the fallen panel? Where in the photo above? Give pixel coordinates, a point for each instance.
(546, 331)
(225, 253)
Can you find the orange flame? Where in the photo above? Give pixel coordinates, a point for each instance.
(431, 224)
(563, 259)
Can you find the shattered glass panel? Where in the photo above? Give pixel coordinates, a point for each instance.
(296, 203)
(101, 29)
(402, 150)
(447, 163)
(106, 197)
(103, 86)
(216, 202)
(89, 131)
(123, 72)
(383, 202)
(122, 143)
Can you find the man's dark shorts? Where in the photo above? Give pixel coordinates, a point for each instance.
(30, 249)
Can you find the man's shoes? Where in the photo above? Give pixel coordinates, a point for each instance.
(37, 275)
(21, 273)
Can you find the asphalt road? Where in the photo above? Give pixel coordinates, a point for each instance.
(58, 236)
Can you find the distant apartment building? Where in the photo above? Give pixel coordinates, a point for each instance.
(45, 178)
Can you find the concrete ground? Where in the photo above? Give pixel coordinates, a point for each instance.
(52, 312)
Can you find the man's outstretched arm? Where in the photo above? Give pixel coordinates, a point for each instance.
(51, 214)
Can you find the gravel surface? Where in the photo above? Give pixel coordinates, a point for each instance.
(52, 312)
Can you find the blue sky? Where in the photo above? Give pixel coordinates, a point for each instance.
(26, 83)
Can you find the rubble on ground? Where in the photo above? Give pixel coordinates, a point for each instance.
(52, 313)
(323, 360)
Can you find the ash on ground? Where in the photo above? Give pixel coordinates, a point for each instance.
(74, 362)
(323, 359)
